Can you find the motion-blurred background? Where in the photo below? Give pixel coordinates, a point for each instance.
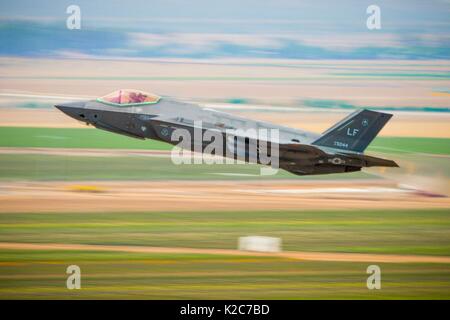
(141, 227)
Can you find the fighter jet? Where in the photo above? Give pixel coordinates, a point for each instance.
(143, 115)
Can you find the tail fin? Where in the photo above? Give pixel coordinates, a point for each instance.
(355, 132)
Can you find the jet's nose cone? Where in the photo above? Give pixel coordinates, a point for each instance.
(73, 109)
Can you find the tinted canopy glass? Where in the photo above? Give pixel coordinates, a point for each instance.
(127, 97)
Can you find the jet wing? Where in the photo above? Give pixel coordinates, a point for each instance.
(302, 148)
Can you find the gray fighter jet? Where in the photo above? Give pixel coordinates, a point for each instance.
(147, 116)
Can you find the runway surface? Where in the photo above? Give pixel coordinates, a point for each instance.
(95, 196)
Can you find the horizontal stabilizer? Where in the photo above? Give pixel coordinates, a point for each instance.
(369, 161)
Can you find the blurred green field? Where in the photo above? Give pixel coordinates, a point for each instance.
(58, 167)
(94, 138)
(73, 138)
(415, 232)
(40, 274)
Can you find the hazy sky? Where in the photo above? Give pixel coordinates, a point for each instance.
(410, 29)
(396, 14)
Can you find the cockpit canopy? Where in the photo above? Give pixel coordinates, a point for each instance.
(129, 97)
